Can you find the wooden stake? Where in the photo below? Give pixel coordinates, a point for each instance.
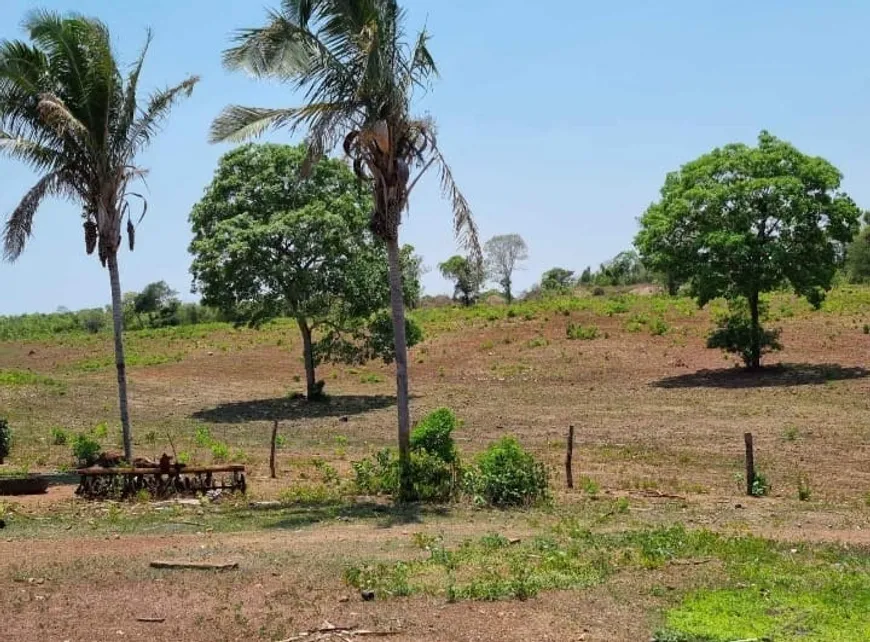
(200, 566)
(569, 455)
(272, 453)
(750, 463)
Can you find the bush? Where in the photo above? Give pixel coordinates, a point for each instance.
(59, 437)
(434, 479)
(434, 434)
(85, 449)
(760, 486)
(507, 475)
(584, 333)
(220, 452)
(434, 462)
(734, 333)
(5, 439)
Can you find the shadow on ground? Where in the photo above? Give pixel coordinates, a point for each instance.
(288, 409)
(293, 516)
(782, 375)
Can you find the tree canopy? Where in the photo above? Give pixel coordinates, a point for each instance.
(557, 280)
(503, 254)
(743, 220)
(858, 255)
(467, 277)
(270, 243)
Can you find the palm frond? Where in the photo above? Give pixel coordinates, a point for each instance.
(40, 158)
(19, 226)
(128, 111)
(422, 65)
(159, 105)
(282, 48)
(464, 226)
(237, 123)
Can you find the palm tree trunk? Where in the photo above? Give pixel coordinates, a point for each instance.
(120, 362)
(397, 304)
(308, 352)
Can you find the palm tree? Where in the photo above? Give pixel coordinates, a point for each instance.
(359, 76)
(67, 111)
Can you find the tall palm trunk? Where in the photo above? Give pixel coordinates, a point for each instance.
(397, 304)
(120, 362)
(311, 390)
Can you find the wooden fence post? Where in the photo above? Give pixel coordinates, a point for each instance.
(569, 455)
(272, 453)
(750, 463)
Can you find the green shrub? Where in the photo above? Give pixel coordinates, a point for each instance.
(101, 430)
(59, 437)
(220, 452)
(202, 436)
(658, 327)
(584, 333)
(433, 478)
(760, 486)
(803, 488)
(86, 449)
(434, 434)
(5, 439)
(507, 475)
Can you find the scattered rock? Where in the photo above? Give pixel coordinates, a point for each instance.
(344, 419)
(514, 540)
(344, 598)
(738, 505)
(367, 596)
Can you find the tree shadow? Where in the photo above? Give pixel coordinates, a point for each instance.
(783, 375)
(298, 515)
(289, 409)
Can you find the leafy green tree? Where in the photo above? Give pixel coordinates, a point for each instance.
(741, 221)
(359, 76)
(557, 280)
(159, 303)
(858, 255)
(269, 243)
(467, 278)
(503, 255)
(625, 268)
(586, 276)
(68, 112)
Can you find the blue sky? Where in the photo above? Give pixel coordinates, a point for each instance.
(560, 123)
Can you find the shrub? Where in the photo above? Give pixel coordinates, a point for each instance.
(507, 475)
(220, 452)
(59, 437)
(658, 327)
(5, 439)
(86, 449)
(803, 488)
(434, 434)
(434, 478)
(202, 436)
(598, 291)
(584, 333)
(760, 486)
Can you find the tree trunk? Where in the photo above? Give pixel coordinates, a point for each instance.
(507, 291)
(397, 304)
(311, 390)
(755, 345)
(120, 362)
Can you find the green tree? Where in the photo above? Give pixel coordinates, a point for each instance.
(858, 255)
(159, 303)
(467, 278)
(557, 280)
(586, 276)
(503, 255)
(68, 112)
(359, 76)
(741, 221)
(269, 243)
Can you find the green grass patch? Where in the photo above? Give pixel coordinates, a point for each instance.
(15, 378)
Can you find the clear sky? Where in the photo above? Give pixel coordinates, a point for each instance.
(560, 118)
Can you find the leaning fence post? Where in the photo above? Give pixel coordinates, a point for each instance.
(750, 463)
(569, 454)
(272, 452)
